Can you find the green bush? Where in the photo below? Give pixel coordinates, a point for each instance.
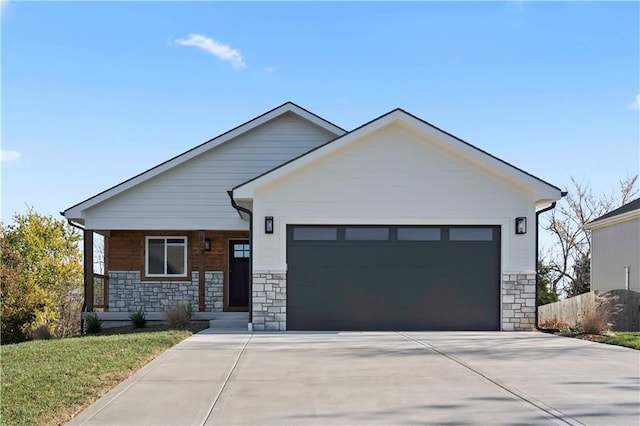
(138, 318)
(92, 323)
(178, 315)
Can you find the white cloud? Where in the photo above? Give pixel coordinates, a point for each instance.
(636, 103)
(7, 156)
(270, 70)
(222, 51)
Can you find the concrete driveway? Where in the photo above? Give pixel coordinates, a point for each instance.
(390, 378)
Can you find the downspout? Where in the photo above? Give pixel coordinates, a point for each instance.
(84, 286)
(250, 213)
(538, 213)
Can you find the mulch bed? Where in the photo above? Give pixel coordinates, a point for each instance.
(194, 327)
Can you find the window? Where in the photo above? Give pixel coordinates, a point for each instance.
(315, 233)
(366, 234)
(166, 256)
(241, 250)
(471, 234)
(418, 234)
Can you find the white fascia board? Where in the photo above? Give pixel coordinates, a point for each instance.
(75, 212)
(542, 190)
(624, 217)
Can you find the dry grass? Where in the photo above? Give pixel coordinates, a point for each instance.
(178, 315)
(596, 318)
(554, 323)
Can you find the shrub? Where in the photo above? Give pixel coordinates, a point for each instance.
(138, 318)
(93, 323)
(41, 332)
(178, 315)
(596, 318)
(554, 323)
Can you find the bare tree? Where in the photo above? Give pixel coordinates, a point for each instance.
(569, 260)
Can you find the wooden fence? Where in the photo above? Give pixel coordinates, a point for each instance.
(626, 307)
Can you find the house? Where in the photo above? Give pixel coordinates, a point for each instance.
(615, 249)
(395, 225)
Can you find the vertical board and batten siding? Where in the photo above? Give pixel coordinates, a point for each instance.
(394, 176)
(614, 247)
(193, 195)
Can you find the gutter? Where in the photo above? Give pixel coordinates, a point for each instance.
(538, 213)
(84, 286)
(250, 213)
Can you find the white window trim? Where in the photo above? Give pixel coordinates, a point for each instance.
(165, 237)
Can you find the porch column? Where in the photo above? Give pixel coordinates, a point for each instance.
(88, 269)
(201, 272)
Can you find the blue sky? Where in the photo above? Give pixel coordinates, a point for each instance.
(94, 93)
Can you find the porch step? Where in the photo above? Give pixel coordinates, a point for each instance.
(228, 324)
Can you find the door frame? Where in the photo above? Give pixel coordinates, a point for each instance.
(227, 278)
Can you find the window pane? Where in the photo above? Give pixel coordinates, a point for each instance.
(315, 234)
(175, 259)
(238, 253)
(367, 234)
(245, 247)
(471, 234)
(419, 234)
(155, 255)
(175, 241)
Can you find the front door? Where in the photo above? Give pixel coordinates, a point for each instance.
(239, 254)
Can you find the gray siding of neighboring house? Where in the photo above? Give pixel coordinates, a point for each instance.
(194, 194)
(613, 248)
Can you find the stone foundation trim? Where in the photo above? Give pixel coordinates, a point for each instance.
(128, 293)
(518, 297)
(269, 301)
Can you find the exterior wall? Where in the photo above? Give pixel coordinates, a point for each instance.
(394, 176)
(129, 287)
(518, 302)
(397, 176)
(126, 250)
(128, 292)
(269, 301)
(194, 194)
(613, 248)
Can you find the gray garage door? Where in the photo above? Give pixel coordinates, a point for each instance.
(393, 278)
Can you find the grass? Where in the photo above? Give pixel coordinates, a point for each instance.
(47, 382)
(629, 339)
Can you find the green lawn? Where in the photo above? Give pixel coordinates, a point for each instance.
(49, 381)
(629, 339)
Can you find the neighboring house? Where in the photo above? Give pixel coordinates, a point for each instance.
(395, 225)
(615, 249)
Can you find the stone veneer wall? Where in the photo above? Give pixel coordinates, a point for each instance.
(269, 301)
(128, 293)
(518, 302)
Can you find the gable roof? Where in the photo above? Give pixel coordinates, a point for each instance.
(627, 211)
(403, 116)
(74, 211)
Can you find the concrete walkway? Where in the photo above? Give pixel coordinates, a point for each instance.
(386, 378)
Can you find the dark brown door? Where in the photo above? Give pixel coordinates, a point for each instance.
(239, 253)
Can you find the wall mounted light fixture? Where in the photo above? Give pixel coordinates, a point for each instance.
(207, 244)
(268, 224)
(521, 225)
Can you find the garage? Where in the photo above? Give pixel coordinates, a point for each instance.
(366, 278)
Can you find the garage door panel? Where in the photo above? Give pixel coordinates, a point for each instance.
(393, 285)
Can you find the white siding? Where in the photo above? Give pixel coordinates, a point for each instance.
(393, 176)
(193, 195)
(613, 248)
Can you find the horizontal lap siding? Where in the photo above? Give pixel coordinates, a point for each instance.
(194, 194)
(395, 176)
